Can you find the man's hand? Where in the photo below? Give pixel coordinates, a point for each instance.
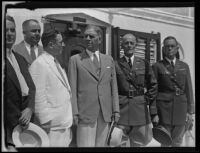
(155, 120)
(75, 120)
(189, 117)
(25, 117)
(115, 117)
(189, 120)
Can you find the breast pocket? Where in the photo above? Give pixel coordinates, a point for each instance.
(181, 75)
(140, 76)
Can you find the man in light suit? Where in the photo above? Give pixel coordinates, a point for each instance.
(29, 47)
(19, 89)
(53, 94)
(94, 91)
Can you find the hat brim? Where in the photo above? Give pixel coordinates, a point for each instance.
(162, 135)
(116, 137)
(33, 136)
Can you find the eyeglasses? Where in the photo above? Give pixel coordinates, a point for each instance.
(36, 30)
(10, 29)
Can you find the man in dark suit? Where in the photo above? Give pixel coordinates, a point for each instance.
(137, 88)
(29, 47)
(19, 92)
(93, 83)
(175, 102)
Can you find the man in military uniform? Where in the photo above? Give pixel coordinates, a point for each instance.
(137, 88)
(174, 101)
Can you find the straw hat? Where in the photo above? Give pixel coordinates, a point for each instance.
(33, 136)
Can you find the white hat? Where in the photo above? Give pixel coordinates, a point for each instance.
(116, 137)
(33, 136)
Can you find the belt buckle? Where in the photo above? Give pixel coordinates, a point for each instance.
(130, 93)
(178, 91)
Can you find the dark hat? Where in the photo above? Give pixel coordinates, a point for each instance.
(162, 135)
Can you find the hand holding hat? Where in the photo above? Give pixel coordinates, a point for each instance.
(25, 117)
(33, 136)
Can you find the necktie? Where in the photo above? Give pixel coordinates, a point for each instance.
(129, 62)
(172, 63)
(96, 63)
(61, 73)
(33, 56)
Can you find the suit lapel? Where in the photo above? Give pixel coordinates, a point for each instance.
(54, 69)
(12, 75)
(24, 53)
(87, 64)
(40, 50)
(135, 63)
(103, 63)
(124, 64)
(177, 65)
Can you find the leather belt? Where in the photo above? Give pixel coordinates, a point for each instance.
(178, 91)
(132, 93)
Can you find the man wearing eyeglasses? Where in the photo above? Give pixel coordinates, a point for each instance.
(94, 91)
(29, 47)
(175, 104)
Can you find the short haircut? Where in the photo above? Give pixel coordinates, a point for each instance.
(10, 18)
(96, 28)
(48, 36)
(26, 23)
(129, 34)
(170, 37)
(177, 43)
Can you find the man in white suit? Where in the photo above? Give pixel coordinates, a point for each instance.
(53, 94)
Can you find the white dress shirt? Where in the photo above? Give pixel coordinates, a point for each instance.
(28, 47)
(132, 59)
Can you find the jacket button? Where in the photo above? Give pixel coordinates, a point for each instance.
(131, 73)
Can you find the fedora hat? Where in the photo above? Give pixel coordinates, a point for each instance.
(162, 135)
(33, 136)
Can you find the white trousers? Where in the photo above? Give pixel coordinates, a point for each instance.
(60, 137)
(93, 135)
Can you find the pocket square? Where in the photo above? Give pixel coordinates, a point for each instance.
(108, 67)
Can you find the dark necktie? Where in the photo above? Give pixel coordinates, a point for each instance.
(129, 62)
(96, 63)
(33, 56)
(172, 63)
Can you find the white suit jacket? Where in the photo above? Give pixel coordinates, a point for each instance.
(53, 95)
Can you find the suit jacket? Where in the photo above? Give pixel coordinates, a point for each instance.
(53, 94)
(172, 109)
(14, 102)
(90, 93)
(134, 111)
(21, 49)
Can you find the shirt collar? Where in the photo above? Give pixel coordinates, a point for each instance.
(28, 45)
(132, 58)
(91, 53)
(174, 60)
(51, 57)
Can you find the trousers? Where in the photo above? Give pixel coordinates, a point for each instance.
(93, 134)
